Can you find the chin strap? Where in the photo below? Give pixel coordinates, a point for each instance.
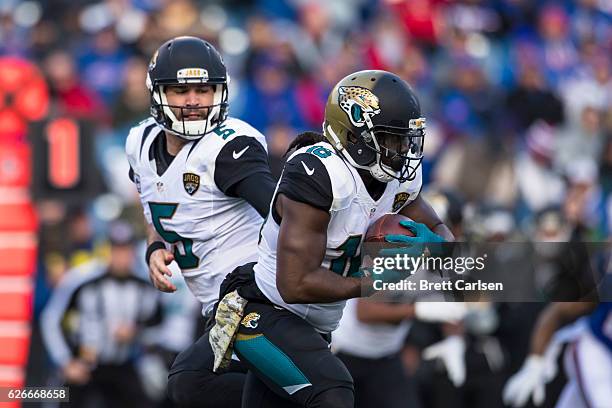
(379, 174)
(375, 170)
(190, 130)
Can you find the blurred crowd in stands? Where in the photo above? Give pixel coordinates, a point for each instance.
(516, 94)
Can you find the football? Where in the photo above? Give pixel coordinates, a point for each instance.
(386, 225)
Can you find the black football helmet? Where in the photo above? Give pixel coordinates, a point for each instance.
(373, 119)
(187, 60)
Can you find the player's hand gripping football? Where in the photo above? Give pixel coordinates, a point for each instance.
(422, 236)
(159, 270)
(415, 243)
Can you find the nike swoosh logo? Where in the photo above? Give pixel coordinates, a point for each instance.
(310, 172)
(240, 153)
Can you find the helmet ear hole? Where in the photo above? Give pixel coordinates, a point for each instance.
(363, 154)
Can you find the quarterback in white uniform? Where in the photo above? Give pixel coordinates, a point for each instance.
(366, 165)
(208, 231)
(205, 186)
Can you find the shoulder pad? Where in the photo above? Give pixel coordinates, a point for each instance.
(341, 177)
(233, 127)
(136, 138)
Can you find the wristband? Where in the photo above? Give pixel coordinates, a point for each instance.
(154, 246)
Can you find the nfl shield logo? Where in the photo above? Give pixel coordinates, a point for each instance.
(191, 182)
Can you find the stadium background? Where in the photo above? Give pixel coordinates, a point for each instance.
(516, 94)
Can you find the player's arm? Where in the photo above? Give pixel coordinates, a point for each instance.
(158, 259)
(152, 234)
(555, 316)
(242, 170)
(420, 211)
(302, 209)
(300, 251)
(257, 189)
(369, 311)
(540, 366)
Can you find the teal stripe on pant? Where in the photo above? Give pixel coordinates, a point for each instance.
(272, 362)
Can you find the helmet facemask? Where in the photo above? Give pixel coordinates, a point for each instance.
(399, 151)
(387, 152)
(214, 114)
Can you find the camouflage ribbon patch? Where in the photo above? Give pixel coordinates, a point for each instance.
(223, 333)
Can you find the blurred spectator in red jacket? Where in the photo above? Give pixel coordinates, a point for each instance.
(72, 96)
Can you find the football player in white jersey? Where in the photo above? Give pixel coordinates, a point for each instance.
(330, 192)
(587, 360)
(205, 186)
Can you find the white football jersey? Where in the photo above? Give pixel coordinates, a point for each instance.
(191, 204)
(316, 175)
(376, 340)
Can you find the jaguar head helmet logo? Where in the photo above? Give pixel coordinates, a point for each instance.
(359, 103)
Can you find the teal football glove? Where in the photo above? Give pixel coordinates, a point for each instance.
(411, 250)
(423, 236)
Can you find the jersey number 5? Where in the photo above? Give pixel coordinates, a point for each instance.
(159, 211)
